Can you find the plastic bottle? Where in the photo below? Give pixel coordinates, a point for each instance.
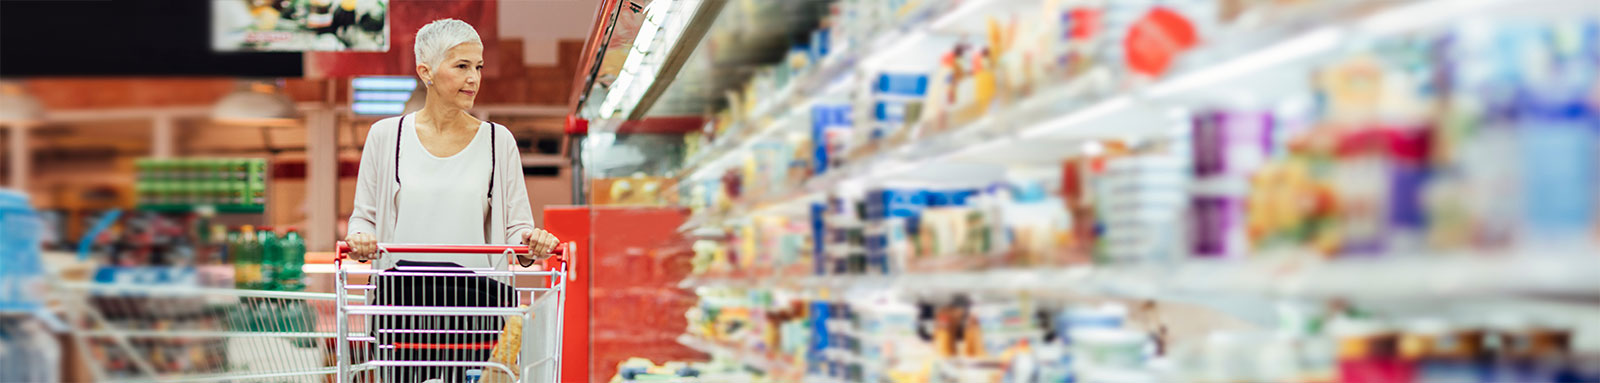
(231, 251)
(269, 249)
(291, 257)
(247, 259)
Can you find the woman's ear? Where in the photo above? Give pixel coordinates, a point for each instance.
(424, 74)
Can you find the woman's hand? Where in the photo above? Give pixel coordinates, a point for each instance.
(363, 246)
(540, 242)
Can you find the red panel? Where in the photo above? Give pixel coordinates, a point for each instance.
(295, 169)
(639, 259)
(405, 17)
(626, 302)
(571, 224)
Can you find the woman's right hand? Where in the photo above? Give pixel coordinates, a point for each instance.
(363, 246)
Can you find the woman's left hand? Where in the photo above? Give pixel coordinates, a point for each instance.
(541, 242)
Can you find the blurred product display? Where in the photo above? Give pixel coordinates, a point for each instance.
(1025, 191)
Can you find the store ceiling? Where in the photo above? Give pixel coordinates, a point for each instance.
(745, 37)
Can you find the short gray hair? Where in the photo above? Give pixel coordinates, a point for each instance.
(435, 40)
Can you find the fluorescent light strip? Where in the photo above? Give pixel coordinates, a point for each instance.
(1302, 46)
(1101, 109)
(384, 83)
(367, 95)
(378, 108)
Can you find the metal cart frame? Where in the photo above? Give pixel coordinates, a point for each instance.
(445, 317)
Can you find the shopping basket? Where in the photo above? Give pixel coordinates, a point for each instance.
(153, 333)
(421, 321)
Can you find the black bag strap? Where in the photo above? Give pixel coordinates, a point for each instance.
(492, 158)
(400, 130)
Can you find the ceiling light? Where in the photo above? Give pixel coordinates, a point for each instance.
(255, 103)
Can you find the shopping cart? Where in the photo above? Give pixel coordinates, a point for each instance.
(147, 332)
(442, 322)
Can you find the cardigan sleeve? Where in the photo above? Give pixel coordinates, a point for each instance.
(514, 189)
(363, 217)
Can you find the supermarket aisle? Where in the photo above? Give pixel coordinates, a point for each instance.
(1049, 191)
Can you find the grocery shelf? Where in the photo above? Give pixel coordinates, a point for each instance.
(1567, 276)
(827, 77)
(750, 358)
(1040, 127)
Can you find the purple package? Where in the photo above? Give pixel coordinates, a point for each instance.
(1230, 142)
(1216, 227)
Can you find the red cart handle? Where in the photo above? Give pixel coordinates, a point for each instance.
(344, 248)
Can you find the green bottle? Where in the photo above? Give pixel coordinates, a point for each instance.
(270, 249)
(291, 260)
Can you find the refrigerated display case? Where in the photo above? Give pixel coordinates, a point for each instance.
(1020, 190)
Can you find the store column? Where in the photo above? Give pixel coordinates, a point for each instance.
(161, 138)
(322, 179)
(19, 155)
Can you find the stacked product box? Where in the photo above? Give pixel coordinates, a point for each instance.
(187, 182)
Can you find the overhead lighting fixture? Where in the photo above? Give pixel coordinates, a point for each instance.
(16, 105)
(386, 95)
(255, 103)
(663, 23)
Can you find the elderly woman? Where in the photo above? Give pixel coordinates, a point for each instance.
(439, 175)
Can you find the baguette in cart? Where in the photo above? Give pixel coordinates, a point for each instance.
(435, 321)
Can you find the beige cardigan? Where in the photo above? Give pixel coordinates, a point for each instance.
(509, 212)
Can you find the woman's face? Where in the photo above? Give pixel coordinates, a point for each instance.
(456, 80)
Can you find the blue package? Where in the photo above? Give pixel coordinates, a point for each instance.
(1558, 143)
(819, 44)
(818, 238)
(825, 121)
(820, 312)
(902, 84)
(936, 199)
(894, 203)
(819, 139)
